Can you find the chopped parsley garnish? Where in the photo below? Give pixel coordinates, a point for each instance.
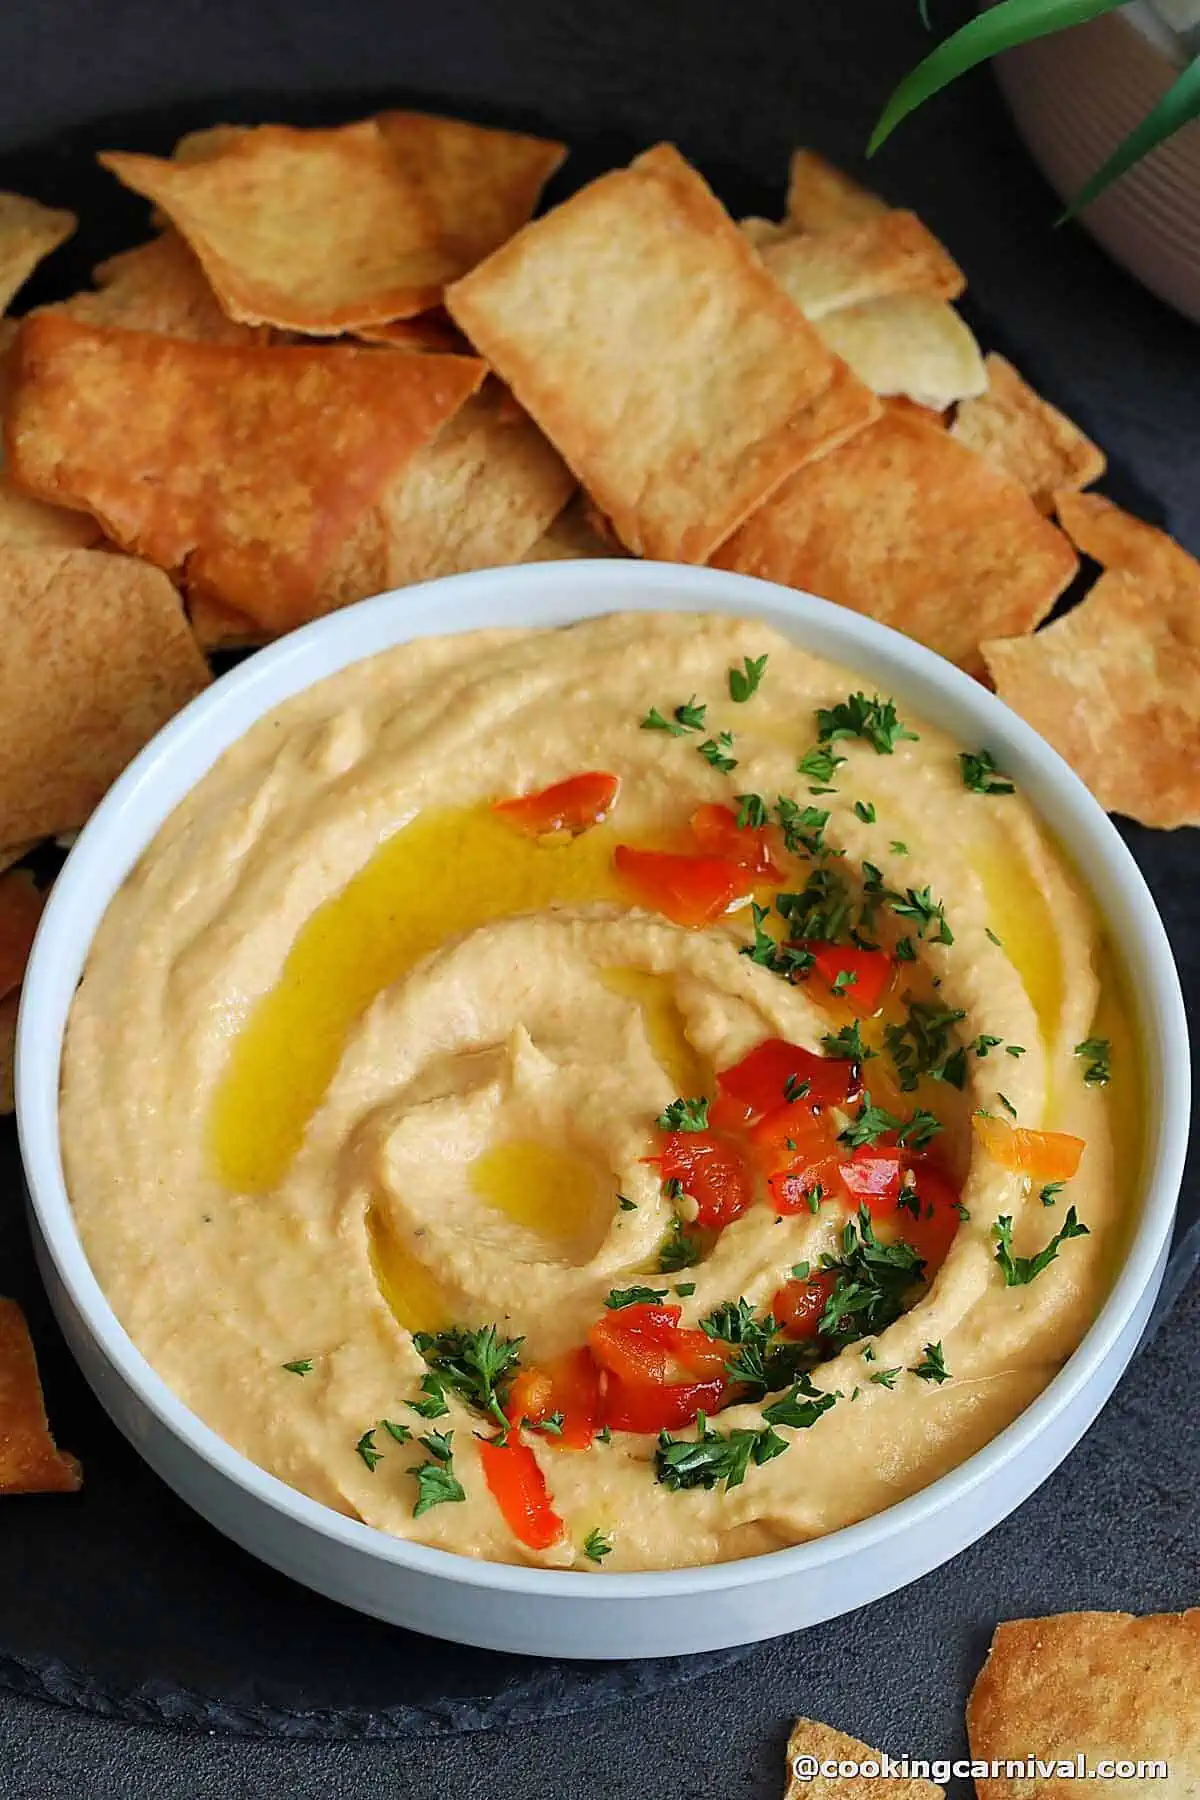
(716, 751)
(685, 1289)
(983, 1044)
(759, 1360)
(685, 1115)
(932, 1366)
(595, 1545)
(551, 1427)
(802, 827)
(847, 1044)
(744, 681)
(678, 1250)
(366, 1449)
(604, 1435)
(1014, 1049)
(401, 1433)
(1096, 1052)
(885, 1377)
(800, 1407)
(963, 1212)
(782, 959)
(685, 718)
(302, 1366)
(923, 907)
(626, 1204)
(819, 765)
(713, 1456)
(478, 1366)
(821, 909)
(980, 774)
(672, 1189)
(794, 1089)
(1019, 1271)
(898, 847)
(857, 717)
(751, 812)
(1049, 1194)
(904, 950)
(845, 978)
(919, 1130)
(436, 1482)
(1007, 1104)
(634, 1296)
(434, 1406)
(988, 932)
(921, 1045)
(873, 1282)
(438, 1444)
(866, 811)
(868, 1125)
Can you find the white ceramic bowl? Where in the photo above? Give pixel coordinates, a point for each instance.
(538, 1611)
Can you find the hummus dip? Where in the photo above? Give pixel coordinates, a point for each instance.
(769, 1154)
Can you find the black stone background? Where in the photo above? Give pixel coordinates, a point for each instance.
(121, 1602)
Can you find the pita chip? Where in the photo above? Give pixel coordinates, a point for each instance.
(1117, 540)
(889, 253)
(761, 232)
(818, 1744)
(572, 537)
(209, 140)
(115, 662)
(157, 287)
(1018, 431)
(245, 469)
(29, 231)
(8, 1052)
(679, 415)
(218, 627)
(820, 197)
(20, 909)
(908, 344)
(429, 331)
(1114, 686)
(915, 530)
(1107, 1686)
(29, 1461)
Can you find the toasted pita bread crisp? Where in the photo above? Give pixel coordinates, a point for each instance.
(245, 468)
(477, 496)
(312, 231)
(29, 231)
(1114, 685)
(678, 417)
(1117, 540)
(209, 140)
(823, 1744)
(913, 529)
(820, 197)
(429, 331)
(761, 232)
(29, 1462)
(572, 537)
(218, 627)
(157, 287)
(1023, 434)
(1108, 1686)
(15, 853)
(115, 661)
(480, 184)
(889, 253)
(20, 909)
(911, 345)
(30, 523)
(8, 1051)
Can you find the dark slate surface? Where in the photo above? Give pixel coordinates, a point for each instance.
(124, 1582)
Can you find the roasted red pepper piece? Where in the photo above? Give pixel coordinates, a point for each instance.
(573, 805)
(691, 890)
(798, 1305)
(871, 971)
(634, 1342)
(931, 1229)
(519, 1489)
(569, 1385)
(762, 1078)
(658, 1406)
(1042, 1155)
(716, 830)
(713, 1172)
(873, 1172)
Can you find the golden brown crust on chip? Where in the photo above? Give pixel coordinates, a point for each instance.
(20, 909)
(889, 253)
(159, 287)
(678, 417)
(761, 232)
(29, 1462)
(905, 525)
(820, 197)
(1018, 431)
(429, 331)
(209, 140)
(910, 345)
(1114, 685)
(1107, 1685)
(218, 627)
(115, 661)
(1116, 540)
(8, 1049)
(246, 467)
(823, 1744)
(572, 537)
(29, 231)
(313, 231)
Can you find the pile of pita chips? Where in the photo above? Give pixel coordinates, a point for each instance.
(1016, 430)
(29, 1461)
(29, 231)
(158, 287)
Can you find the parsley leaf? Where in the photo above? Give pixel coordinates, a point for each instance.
(921, 1045)
(438, 1445)
(436, 1484)
(685, 718)
(866, 811)
(716, 752)
(434, 1407)
(478, 1366)
(678, 1250)
(713, 1456)
(802, 827)
(634, 1296)
(800, 1407)
(868, 1125)
(983, 1044)
(1007, 1104)
(980, 774)
(1020, 1270)
(932, 1366)
(847, 1044)
(784, 960)
(1049, 1194)
(366, 1449)
(857, 717)
(596, 1546)
(752, 812)
(872, 1285)
(821, 909)
(885, 1377)
(1096, 1052)
(401, 1433)
(551, 1427)
(626, 1204)
(744, 681)
(819, 765)
(919, 1130)
(685, 1115)
(898, 847)
(302, 1366)
(923, 907)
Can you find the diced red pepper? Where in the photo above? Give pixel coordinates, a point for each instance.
(573, 805)
(725, 1113)
(569, 1385)
(691, 890)
(873, 1172)
(634, 1342)
(716, 830)
(870, 970)
(761, 1079)
(792, 1190)
(798, 1305)
(713, 1172)
(931, 1230)
(519, 1489)
(658, 1406)
(1042, 1155)
(699, 1354)
(795, 1149)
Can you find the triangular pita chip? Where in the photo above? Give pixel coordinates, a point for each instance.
(1114, 685)
(114, 660)
(157, 287)
(909, 344)
(818, 1744)
(246, 468)
(572, 537)
(28, 232)
(761, 232)
(907, 526)
(639, 328)
(313, 231)
(1117, 540)
(29, 1462)
(820, 197)
(1013, 427)
(218, 627)
(428, 331)
(209, 140)
(20, 909)
(889, 253)
(1104, 1686)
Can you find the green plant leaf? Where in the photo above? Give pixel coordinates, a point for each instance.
(1001, 27)
(1178, 106)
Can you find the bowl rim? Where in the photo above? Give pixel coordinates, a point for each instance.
(569, 592)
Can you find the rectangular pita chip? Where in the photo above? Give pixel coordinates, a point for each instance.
(1018, 431)
(477, 496)
(814, 1747)
(157, 287)
(29, 1461)
(20, 909)
(1117, 540)
(913, 529)
(820, 197)
(245, 469)
(29, 231)
(911, 345)
(1107, 1687)
(114, 660)
(640, 330)
(889, 253)
(312, 231)
(1114, 685)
